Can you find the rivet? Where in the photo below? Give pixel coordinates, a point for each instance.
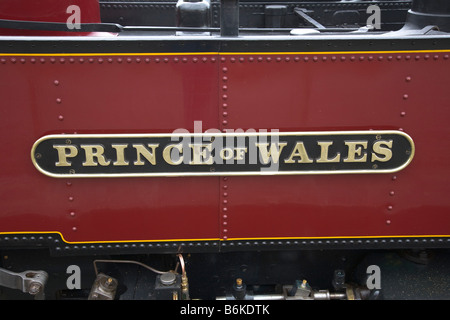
(407, 57)
(110, 60)
(62, 60)
(389, 58)
(74, 228)
(306, 59)
(52, 60)
(268, 59)
(205, 59)
(388, 222)
(260, 59)
(224, 216)
(71, 60)
(251, 59)
(391, 193)
(287, 59)
(58, 100)
(315, 59)
(119, 60)
(405, 96)
(60, 118)
(174, 60)
(225, 114)
(446, 56)
(224, 122)
(408, 79)
(195, 60)
(91, 60)
(22, 60)
(224, 97)
(224, 237)
(224, 88)
(56, 82)
(225, 187)
(436, 57)
(380, 58)
(225, 105)
(223, 59)
(225, 70)
(361, 58)
(426, 57)
(72, 214)
(157, 60)
(138, 60)
(297, 59)
(370, 58)
(394, 178)
(71, 198)
(213, 59)
(225, 78)
(13, 60)
(352, 58)
(225, 194)
(68, 183)
(224, 223)
(225, 230)
(417, 57)
(403, 113)
(389, 207)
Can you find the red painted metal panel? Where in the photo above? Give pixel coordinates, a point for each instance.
(406, 91)
(104, 94)
(48, 11)
(160, 93)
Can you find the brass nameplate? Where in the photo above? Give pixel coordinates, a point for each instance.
(203, 154)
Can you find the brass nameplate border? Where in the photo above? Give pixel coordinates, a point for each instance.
(222, 154)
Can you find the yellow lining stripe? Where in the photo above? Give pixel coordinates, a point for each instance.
(215, 53)
(223, 240)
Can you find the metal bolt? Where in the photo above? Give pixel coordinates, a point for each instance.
(34, 288)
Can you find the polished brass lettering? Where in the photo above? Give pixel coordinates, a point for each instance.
(94, 152)
(150, 155)
(120, 155)
(272, 153)
(324, 145)
(355, 148)
(226, 153)
(299, 151)
(199, 155)
(64, 152)
(167, 154)
(240, 151)
(378, 150)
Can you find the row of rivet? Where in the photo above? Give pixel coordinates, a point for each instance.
(327, 57)
(266, 58)
(224, 191)
(72, 213)
(224, 208)
(109, 60)
(405, 97)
